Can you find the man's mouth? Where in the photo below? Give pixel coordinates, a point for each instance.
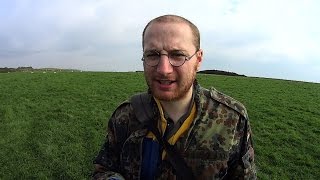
(166, 82)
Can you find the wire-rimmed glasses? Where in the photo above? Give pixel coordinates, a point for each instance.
(176, 58)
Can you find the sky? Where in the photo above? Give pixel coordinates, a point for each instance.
(258, 38)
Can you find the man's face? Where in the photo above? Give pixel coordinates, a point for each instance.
(168, 83)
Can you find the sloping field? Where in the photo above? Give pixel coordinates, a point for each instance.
(52, 125)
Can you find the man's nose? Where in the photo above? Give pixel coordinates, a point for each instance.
(164, 66)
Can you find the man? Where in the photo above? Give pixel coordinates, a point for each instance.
(190, 132)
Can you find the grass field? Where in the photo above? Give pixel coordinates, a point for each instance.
(52, 125)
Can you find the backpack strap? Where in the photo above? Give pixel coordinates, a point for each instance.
(142, 107)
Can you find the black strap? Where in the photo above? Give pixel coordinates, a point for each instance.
(182, 169)
(142, 106)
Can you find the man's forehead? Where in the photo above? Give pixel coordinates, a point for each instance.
(157, 28)
(168, 36)
(167, 23)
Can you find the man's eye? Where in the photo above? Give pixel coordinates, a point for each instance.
(152, 55)
(177, 55)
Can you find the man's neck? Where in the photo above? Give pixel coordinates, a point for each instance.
(176, 109)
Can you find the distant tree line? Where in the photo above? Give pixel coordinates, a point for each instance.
(219, 72)
(30, 69)
(19, 69)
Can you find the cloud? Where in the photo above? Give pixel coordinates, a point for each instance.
(86, 34)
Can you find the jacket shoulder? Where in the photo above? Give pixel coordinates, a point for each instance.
(227, 101)
(138, 105)
(124, 107)
(122, 113)
(124, 118)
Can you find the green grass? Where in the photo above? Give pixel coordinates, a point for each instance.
(52, 125)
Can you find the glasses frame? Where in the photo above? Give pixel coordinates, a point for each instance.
(186, 58)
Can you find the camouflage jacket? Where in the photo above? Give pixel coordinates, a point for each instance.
(218, 144)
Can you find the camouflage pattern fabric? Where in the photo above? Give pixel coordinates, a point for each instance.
(218, 144)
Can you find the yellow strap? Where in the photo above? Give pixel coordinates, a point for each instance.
(181, 131)
(184, 127)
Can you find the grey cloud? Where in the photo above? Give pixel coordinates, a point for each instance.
(230, 39)
(106, 35)
(279, 68)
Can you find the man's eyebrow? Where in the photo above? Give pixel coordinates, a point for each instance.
(177, 51)
(151, 50)
(169, 51)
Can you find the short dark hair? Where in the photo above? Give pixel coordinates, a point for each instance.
(175, 18)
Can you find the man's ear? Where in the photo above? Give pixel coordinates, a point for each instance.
(199, 58)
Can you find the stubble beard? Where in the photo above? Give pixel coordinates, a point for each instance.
(183, 87)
